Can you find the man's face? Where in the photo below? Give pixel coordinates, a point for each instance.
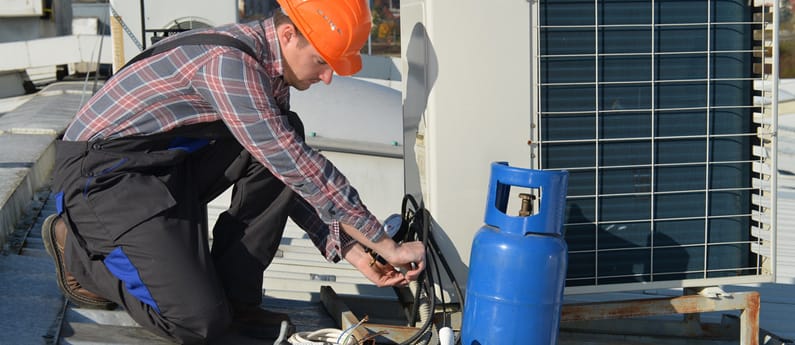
(303, 66)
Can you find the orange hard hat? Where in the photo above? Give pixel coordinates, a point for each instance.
(337, 29)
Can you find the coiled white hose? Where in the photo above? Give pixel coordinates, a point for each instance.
(325, 336)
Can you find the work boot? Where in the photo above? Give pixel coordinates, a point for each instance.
(53, 233)
(253, 321)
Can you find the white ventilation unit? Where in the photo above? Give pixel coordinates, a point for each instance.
(663, 112)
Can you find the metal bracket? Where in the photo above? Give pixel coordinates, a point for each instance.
(344, 317)
(573, 315)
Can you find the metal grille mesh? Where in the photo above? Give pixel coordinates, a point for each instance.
(651, 107)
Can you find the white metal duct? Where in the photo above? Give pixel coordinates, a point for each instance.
(20, 8)
(356, 124)
(466, 103)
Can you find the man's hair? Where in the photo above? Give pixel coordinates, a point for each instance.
(280, 18)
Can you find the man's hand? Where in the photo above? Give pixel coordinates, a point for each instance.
(381, 275)
(410, 256)
(407, 255)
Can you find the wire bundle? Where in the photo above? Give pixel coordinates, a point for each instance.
(417, 224)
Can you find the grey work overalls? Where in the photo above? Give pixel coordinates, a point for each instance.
(136, 208)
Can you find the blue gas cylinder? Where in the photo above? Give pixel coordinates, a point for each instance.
(517, 264)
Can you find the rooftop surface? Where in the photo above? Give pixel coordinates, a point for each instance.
(32, 310)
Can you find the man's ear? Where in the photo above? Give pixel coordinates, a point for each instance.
(286, 33)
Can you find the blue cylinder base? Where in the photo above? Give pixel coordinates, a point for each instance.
(517, 266)
(515, 289)
(518, 329)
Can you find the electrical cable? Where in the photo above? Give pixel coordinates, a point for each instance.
(349, 331)
(441, 291)
(427, 278)
(421, 215)
(447, 269)
(99, 56)
(415, 226)
(409, 215)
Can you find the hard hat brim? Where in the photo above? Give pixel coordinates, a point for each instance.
(346, 65)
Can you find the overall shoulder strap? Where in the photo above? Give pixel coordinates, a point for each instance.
(197, 39)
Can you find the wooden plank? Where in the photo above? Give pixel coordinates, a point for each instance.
(343, 316)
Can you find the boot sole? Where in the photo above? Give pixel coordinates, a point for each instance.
(50, 244)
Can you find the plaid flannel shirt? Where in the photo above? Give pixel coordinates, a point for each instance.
(196, 84)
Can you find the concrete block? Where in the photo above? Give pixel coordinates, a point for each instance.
(12, 83)
(49, 112)
(26, 163)
(27, 150)
(13, 201)
(40, 50)
(117, 317)
(10, 103)
(85, 26)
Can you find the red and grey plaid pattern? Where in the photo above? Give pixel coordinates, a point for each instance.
(196, 84)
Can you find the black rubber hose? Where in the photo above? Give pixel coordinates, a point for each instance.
(447, 269)
(426, 279)
(427, 284)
